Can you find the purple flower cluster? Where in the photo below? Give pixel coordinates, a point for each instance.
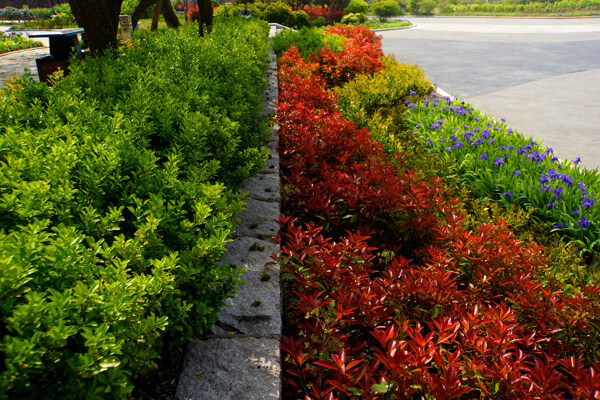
(452, 132)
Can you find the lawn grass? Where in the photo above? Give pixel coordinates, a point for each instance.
(145, 23)
(376, 24)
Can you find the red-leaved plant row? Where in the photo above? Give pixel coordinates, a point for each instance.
(390, 295)
(329, 14)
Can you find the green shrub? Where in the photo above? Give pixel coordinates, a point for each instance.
(258, 9)
(354, 19)
(259, 5)
(357, 7)
(307, 40)
(118, 195)
(15, 14)
(320, 21)
(227, 11)
(385, 8)
(279, 13)
(301, 19)
(41, 13)
(421, 7)
(63, 8)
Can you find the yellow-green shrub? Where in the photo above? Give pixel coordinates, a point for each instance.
(379, 101)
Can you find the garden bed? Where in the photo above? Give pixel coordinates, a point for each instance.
(393, 289)
(12, 42)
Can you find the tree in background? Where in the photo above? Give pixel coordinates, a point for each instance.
(357, 7)
(421, 7)
(298, 4)
(331, 4)
(205, 19)
(100, 19)
(385, 9)
(166, 8)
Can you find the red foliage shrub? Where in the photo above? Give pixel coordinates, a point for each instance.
(329, 14)
(192, 13)
(363, 324)
(392, 295)
(360, 34)
(361, 54)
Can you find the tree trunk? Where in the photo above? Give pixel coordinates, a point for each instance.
(167, 11)
(169, 14)
(100, 19)
(205, 17)
(156, 15)
(114, 10)
(139, 9)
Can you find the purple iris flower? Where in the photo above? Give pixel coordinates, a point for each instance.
(584, 223)
(587, 202)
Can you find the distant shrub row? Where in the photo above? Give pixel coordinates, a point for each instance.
(281, 13)
(28, 14)
(558, 7)
(118, 189)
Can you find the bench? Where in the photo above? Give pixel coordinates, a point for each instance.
(64, 44)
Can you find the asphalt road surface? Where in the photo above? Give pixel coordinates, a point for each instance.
(541, 74)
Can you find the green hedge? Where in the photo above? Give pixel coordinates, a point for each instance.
(15, 14)
(117, 195)
(307, 41)
(590, 7)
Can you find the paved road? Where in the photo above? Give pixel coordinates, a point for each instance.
(541, 74)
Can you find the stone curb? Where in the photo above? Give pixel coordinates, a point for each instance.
(394, 29)
(240, 359)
